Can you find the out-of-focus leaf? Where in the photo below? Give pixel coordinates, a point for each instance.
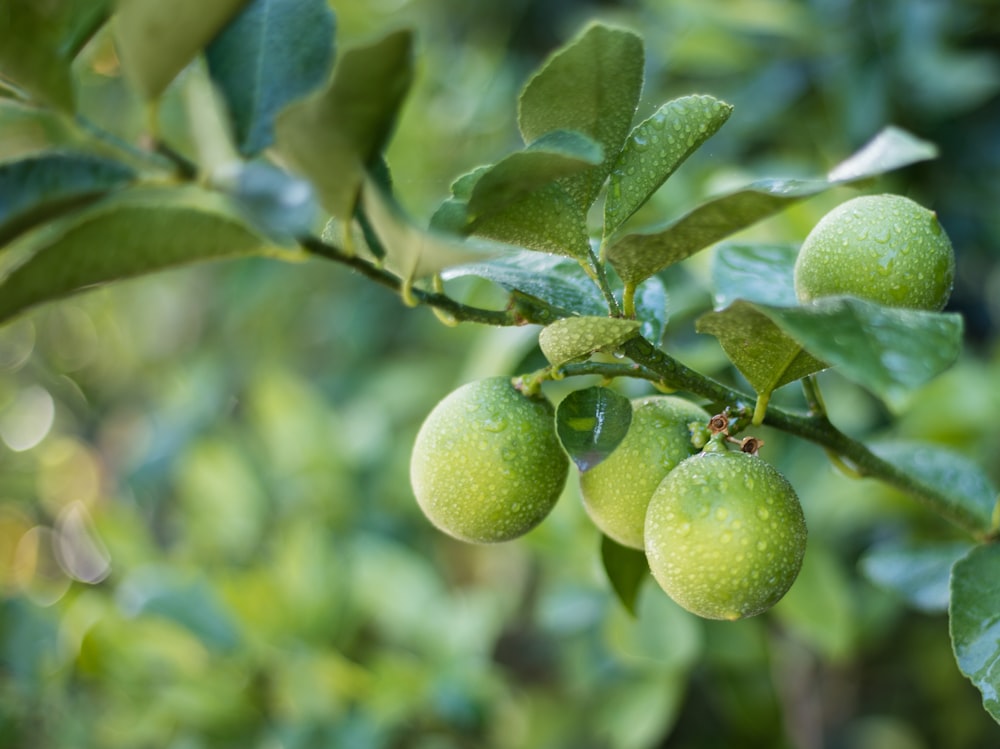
(662, 633)
(38, 41)
(29, 130)
(413, 252)
(129, 234)
(208, 122)
(574, 338)
(759, 349)
(43, 186)
(591, 85)
(974, 622)
(890, 351)
(591, 423)
(272, 53)
(755, 273)
(952, 475)
(918, 573)
(157, 40)
(638, 255)
(558, 280)
(626, 569)
(554, 155)
(278, 204)
(654, 150)
(333, 136)
(639, 711)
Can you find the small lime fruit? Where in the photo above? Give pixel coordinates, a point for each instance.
(725, 535)
(617, 490)
(487, 465)
(883, 248)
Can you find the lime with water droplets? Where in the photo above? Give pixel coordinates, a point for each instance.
(883, 248)
(487, 465)
(725, 535)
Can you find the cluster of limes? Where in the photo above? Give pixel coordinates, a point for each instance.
(723, 531)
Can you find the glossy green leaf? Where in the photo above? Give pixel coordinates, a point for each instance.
(591, 86)
(969, 490)
(626, 569)
(558, 280)
(591, 423)
(38, 41)
(131, 233)
(654, 150)
(157, 40)
(755, 273)
(974, 621)
(636, 256)
(41, 187)
(760, 350)
(890, 351)
(918, 573)
(574, 338)
(272, 53)
(554, 155)
(651, 307)
(333, 136)
(413, 252)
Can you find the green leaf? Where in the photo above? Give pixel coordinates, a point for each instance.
(157, 40)
(626, 569)
(591, 86)
(918, 573)
(890, 351)
(272, 53)
(969, 490)
(277, 204)
(333, 136)
(38, 41)
(591, 423)
(651, 308)
(755, 273)
(639, 255)
(28, 130)
(131, 233)
(413, 252)
(40, 187)
(558, 280)
(760, 350)
(974, 621)
(654, 150)
(554, 155)
(573, 338)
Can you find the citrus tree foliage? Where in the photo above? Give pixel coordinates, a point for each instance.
(282, 154)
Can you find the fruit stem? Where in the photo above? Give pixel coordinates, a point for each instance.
(760, 410)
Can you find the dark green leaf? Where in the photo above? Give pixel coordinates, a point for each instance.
(918, 573)
(271, 54)
(591, 423)
(651, 308)
(950, 474)
(279, 205)
(974, 621)
(890, 351)
(575, 338)
(590, 86)
(157, 40)
(41, 187)
(131, 233)
(654, 150)
(333, 136)
(552, 156)
(557, 280)
(638, 255)
(626, 569)
(759, 349)
(755, 273)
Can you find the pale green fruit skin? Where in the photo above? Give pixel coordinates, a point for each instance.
(883, 248)
(487, 465)
(616, 491)
(725, 535)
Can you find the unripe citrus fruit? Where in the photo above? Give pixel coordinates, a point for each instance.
(883, 248)
(616, 491)
(725, 535)
(487, 465)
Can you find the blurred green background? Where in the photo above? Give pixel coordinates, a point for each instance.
(207, 536)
